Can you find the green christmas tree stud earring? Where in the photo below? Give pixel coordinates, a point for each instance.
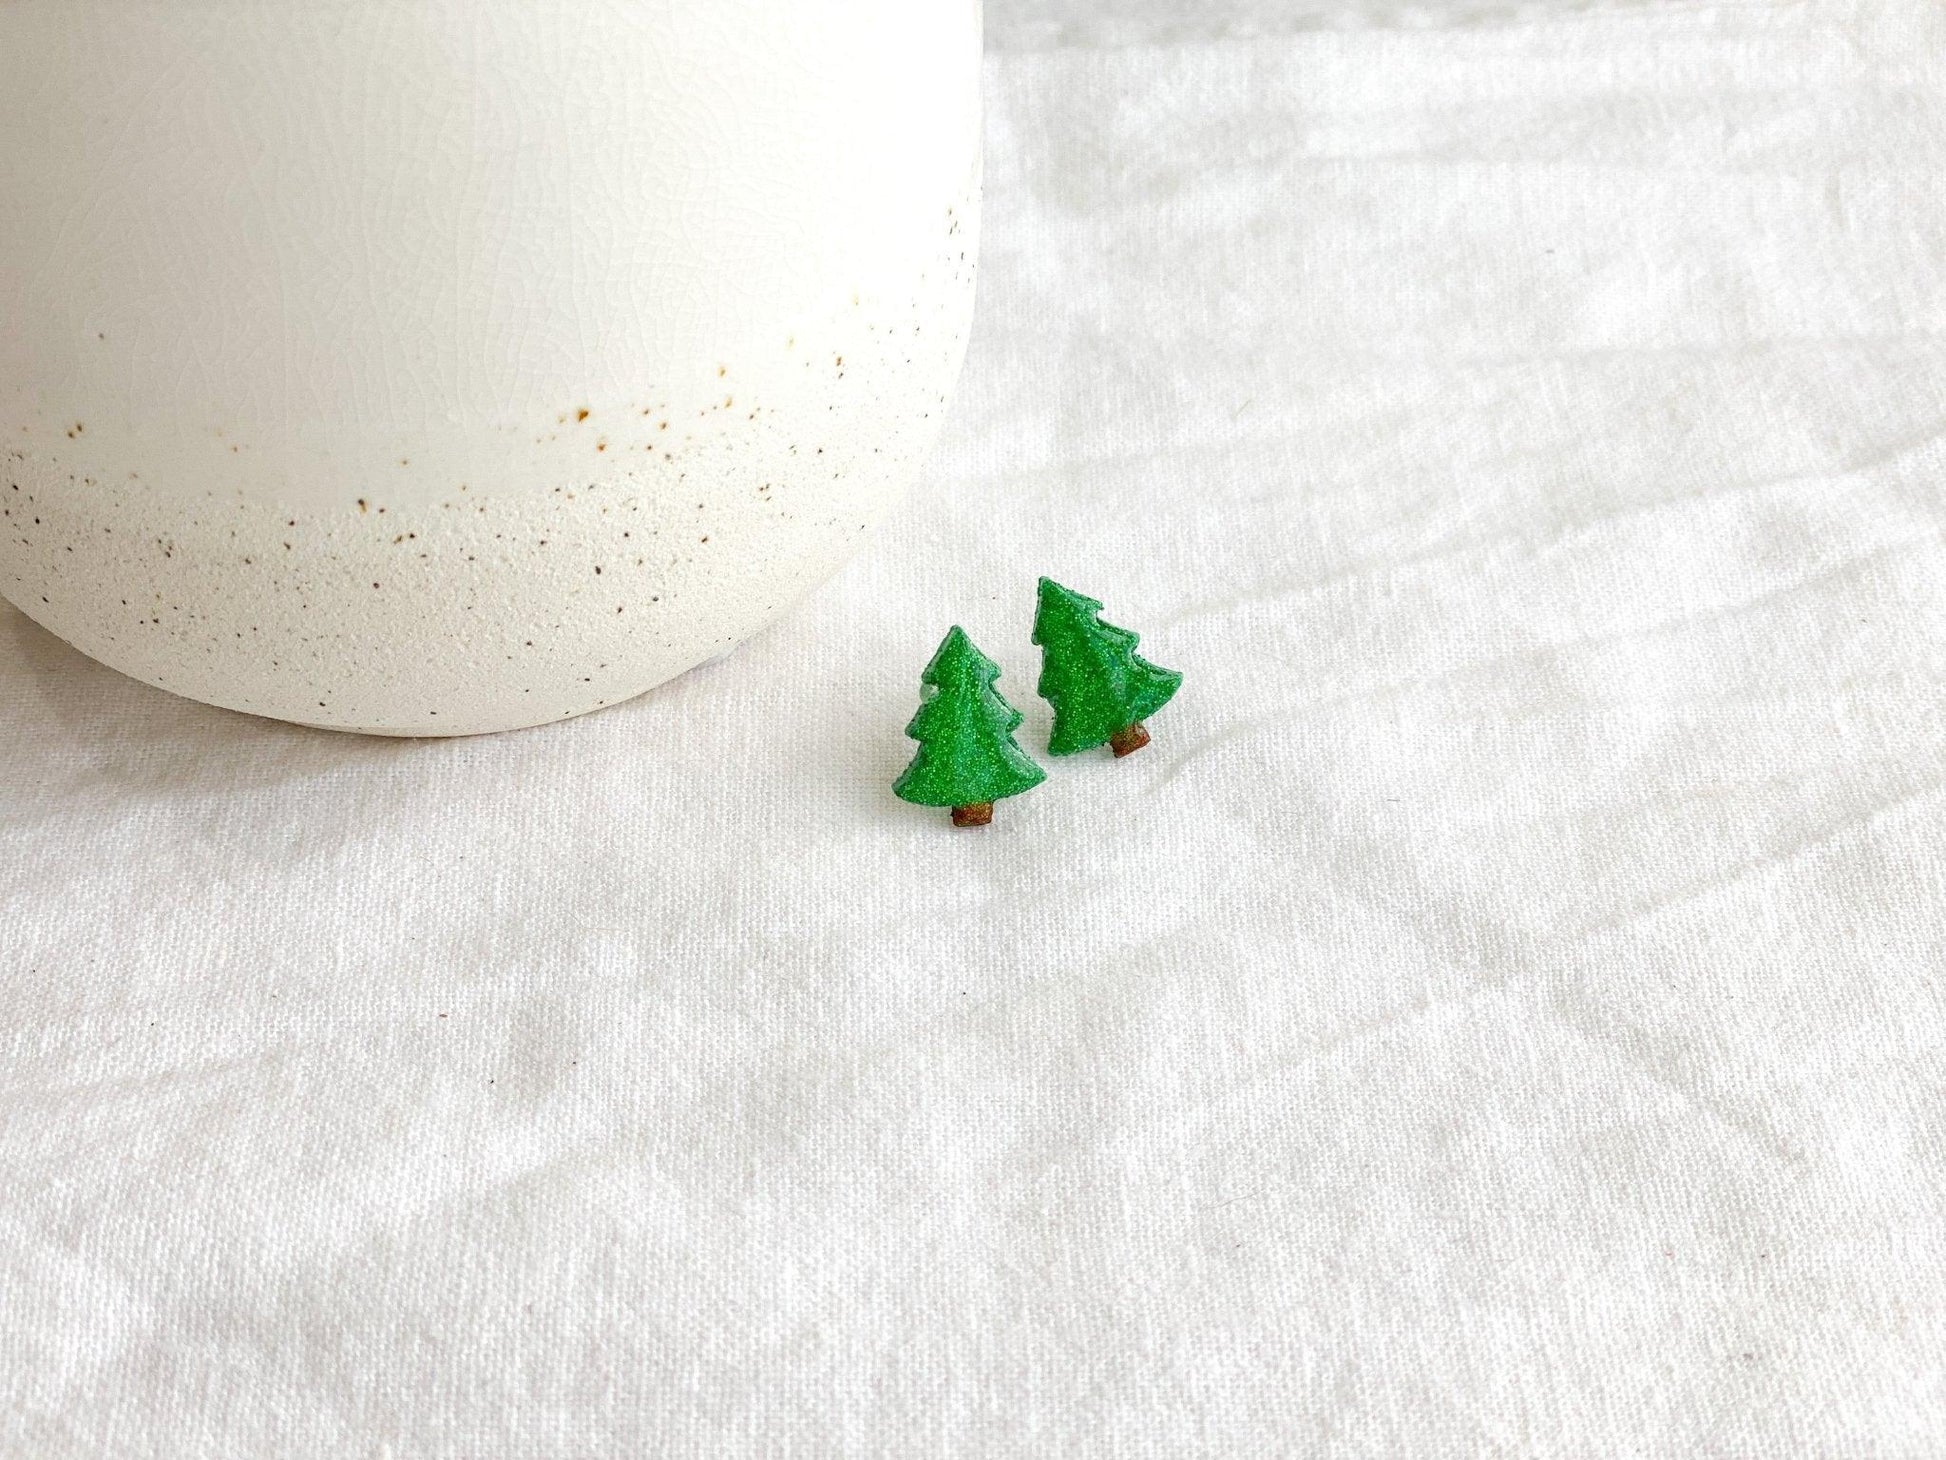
(967, 755)
(1100, 688)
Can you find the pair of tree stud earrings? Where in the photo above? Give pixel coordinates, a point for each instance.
(1101, 690)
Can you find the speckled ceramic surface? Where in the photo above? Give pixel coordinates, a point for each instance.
(459, 366)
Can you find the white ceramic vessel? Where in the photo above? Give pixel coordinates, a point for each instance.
(444, 366)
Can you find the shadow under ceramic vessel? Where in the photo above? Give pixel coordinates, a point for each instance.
(451, 366)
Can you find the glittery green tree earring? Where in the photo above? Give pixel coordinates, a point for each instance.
(1100, 688)
(967, 758)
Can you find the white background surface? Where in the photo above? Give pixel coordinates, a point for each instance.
(1502, 1015)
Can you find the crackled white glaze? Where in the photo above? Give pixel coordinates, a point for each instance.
(462, 365)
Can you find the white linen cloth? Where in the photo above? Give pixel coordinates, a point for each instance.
(1502, 1014)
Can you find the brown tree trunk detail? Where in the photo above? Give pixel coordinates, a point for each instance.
(1127, 742)
(978, 814)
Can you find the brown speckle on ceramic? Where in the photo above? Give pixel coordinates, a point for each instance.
(322, 660)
